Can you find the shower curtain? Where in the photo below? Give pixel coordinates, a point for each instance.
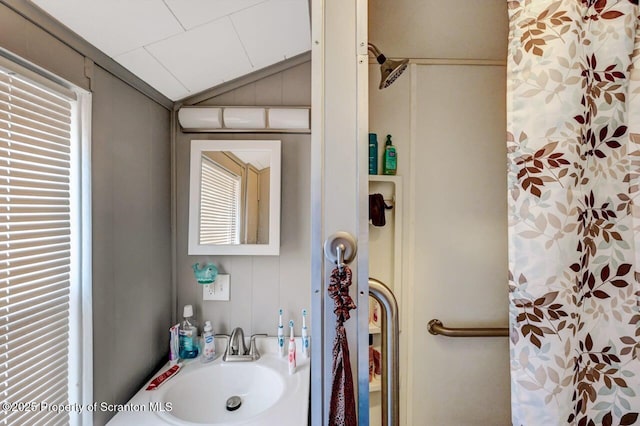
(573, 145)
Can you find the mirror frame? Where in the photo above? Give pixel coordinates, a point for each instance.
(197, 148)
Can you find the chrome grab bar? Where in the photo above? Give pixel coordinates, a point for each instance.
(435, 327)
(390, 351)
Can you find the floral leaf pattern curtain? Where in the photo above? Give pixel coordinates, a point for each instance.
(573, 147)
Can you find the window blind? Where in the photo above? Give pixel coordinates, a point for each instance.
(35, 250)
(219, 205)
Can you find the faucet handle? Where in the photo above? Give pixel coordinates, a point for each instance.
(253, 351)
(253, 336)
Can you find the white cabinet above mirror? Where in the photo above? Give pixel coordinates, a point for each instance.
(234, 197)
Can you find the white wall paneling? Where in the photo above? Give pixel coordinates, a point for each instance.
(459, 247)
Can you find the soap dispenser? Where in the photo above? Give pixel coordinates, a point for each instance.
(188, 335)
(390, 160)
(208, 344)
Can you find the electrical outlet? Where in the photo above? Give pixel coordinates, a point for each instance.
(218, 290)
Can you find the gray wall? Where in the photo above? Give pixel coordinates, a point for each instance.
(260, 285)
(131, 240)
(131, 216)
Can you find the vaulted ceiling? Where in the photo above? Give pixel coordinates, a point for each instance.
(182, 47)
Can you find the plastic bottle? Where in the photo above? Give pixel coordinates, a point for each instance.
(390, 161)
(373, 154)
(209, 346)
(188, 335)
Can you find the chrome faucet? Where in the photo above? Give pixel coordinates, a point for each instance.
(236, 341)
(237, 350)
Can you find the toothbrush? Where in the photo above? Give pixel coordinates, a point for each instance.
(305, 336)
(280, 336)
(292, 350)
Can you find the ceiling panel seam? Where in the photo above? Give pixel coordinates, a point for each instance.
(174, 15)
(167, 69)
(253, 67)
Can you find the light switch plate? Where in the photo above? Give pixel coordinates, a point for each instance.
(218, 290)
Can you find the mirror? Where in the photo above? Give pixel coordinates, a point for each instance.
(234, 197)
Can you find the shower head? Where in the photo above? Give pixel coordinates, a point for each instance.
(390, 70)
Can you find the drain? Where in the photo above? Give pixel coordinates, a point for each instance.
(234, 403)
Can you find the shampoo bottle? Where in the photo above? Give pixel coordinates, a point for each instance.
(188, 335)
(209, 347)
(390, 161)
(373, 154)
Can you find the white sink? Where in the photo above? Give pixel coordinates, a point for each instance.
(198, 394)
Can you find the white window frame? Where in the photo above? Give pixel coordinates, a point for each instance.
(80, 380)
(81, 377)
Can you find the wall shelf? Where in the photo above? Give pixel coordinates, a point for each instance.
(385, 264)
(386, 178)
(375, 385)
(385, 243)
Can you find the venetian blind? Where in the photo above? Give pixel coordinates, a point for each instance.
(35, 247)
(219, 205)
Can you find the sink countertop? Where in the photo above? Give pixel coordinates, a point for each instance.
(144, 409)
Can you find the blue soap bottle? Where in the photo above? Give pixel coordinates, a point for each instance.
(373, 154)
(188, 335)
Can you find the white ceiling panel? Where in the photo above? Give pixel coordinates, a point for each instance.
(274, 30)
(144, 65)
(203, 57)
(182, 47)
(115, 26)
(197, 12)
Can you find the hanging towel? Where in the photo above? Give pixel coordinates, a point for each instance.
(375, 368)
(377, 206)
(342, 409)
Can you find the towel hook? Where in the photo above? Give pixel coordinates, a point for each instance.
(340, 249)
(340, 257)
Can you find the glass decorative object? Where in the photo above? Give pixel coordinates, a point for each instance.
(205, 275)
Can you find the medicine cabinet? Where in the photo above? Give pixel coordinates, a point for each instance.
(234, 197)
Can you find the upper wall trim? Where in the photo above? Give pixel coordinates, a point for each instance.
(450, 61)
(47, 23)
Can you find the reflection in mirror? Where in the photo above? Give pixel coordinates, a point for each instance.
(234, 197)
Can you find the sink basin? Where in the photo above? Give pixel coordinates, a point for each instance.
(200, 396)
